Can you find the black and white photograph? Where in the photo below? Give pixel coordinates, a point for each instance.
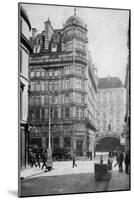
(74, 99)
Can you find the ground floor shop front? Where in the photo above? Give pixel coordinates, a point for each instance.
(74, 137)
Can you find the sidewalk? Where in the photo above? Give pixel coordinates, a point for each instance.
(63, 168)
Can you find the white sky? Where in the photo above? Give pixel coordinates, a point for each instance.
(107, 33)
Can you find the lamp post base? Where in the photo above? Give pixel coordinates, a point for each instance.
(49, 159)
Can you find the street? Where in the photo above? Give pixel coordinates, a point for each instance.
(65, 179)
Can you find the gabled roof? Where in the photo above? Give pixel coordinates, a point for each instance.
(109, 82)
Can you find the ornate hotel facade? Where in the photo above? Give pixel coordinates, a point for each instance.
(63, 79)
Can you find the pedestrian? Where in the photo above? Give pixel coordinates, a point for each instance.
(121, 158)
(38, 158)
(101, 159)
(109, 163)
(33, 159)
(74, 160)
(88, 154)
(127, 162)
(109, 154)
(117, 159)
(44, 160)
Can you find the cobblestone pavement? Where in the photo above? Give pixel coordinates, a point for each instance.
(65, 179)
(76, 183)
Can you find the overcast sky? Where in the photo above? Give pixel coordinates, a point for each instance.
(107, 33)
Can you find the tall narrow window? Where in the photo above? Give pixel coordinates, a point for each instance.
(67, 98)
(32, 74)
(67, 112)
(32, 86)
(56, 85)
(38, 86)
(50, 85)
(67, 84)
(38, 73)
(42, 114)
(55, 113)
(42, 86)
(50, 73)
(67, 70)
(37, 114)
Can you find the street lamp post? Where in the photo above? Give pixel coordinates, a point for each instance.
(49, 150)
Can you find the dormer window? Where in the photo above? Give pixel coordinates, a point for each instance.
(54, 47)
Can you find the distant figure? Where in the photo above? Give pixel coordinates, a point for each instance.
(74, 164)
(88, 154)
(127, 162)
(109, 163)
(117, 159)
(101, 159)
(33, 159)
(109, 154)
(121, 158)
(38, 158)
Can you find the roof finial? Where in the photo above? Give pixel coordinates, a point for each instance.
(74, 11)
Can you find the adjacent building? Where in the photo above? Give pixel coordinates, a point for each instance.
(24, 52)
(127, 86)
(111, 104)
(64, 80)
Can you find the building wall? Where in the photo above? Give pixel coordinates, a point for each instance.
(127, 116)
(111, 109)
(24, 84)
(63, 70)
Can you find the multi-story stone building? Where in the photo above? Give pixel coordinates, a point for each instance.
(24, 52)
(111, 104)
(59, 67)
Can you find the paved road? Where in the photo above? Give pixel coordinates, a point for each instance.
(76, 183)
(65, 179)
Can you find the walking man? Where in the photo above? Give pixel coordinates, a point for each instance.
(44, 160)
(74, 164)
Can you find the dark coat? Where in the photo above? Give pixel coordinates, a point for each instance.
(121, 157)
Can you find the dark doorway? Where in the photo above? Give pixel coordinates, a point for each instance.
(79, 146)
